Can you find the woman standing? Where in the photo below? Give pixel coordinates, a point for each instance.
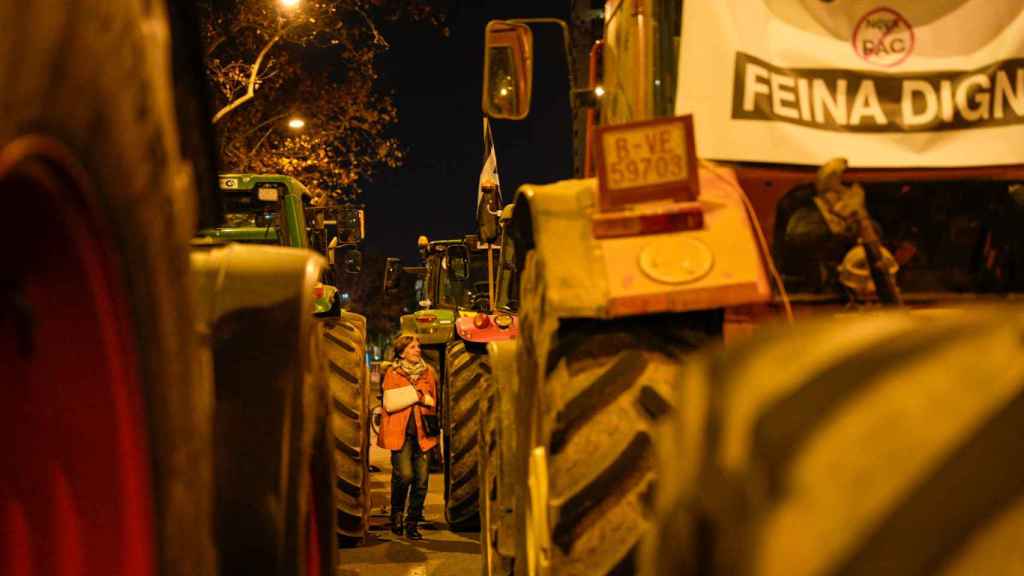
(402, 432)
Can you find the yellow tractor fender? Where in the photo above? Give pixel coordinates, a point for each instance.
(717, 265)
(555, 220)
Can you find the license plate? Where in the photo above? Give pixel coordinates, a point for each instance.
(647, 161)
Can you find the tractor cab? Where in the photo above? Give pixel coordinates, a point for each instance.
(280, 210)
(263, 209)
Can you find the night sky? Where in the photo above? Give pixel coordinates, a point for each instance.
(436, 84)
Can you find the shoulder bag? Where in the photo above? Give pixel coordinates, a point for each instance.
(431, 424)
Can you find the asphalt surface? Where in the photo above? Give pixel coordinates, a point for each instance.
(440, 553)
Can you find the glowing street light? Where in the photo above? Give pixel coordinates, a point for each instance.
(289, 4)
(296, 123)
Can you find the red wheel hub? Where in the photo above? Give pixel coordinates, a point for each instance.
(75, 486)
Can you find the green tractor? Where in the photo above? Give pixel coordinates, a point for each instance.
(276, 209)
(461, 310)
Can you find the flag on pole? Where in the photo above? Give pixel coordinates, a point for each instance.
(489, 172)
(488, 198)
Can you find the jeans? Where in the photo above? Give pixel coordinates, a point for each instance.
(409, 469)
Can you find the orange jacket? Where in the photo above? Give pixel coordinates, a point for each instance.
(392, 426)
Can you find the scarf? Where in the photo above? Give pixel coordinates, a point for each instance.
(412, 369)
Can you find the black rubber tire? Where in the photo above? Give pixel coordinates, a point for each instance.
(322, 467)
(879, 444)
(87, 75)
(357, 320)
(344, 349)
(310, 495)
(492, 485)
(270, 407)
(324, 498)
(434, 356)
(590, 395)
(468, 374)
(487, 473)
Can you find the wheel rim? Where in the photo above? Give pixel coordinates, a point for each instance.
(75, 488)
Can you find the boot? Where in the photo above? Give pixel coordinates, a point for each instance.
(396, 523)
(422, 522)
(411, 531)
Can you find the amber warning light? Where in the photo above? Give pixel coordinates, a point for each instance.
(647, 178)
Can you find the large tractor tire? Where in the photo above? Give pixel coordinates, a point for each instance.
(106, 414)
(591, 392)
(487, 473)
(344, 347)
(316, 521)
(468, 374)
(881, 444)
(433, 355)
(274, 501)
(322, 548)
(496, 441)
(358, 321)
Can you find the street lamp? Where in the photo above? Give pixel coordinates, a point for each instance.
(289, 4)
(296, 123)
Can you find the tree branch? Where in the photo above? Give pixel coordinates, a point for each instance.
(264, 123)
(260, 141)
(214, 45)
(250, 90)
(377, 37)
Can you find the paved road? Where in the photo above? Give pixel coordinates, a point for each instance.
(440, 553)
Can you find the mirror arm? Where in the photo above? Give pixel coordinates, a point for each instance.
(565, 45)
(585, 97)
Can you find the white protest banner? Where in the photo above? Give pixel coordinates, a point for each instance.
(900, 83)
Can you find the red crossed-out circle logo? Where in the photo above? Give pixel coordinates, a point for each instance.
(883, 37)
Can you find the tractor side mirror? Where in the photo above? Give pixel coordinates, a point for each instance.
(458, 261)
(508, 70)
(349, 258)
(392, 275)
(351, 223)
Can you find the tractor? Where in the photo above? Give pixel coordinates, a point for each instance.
(165, 406)
(276, 209)
(694, 224)
(607, 315)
